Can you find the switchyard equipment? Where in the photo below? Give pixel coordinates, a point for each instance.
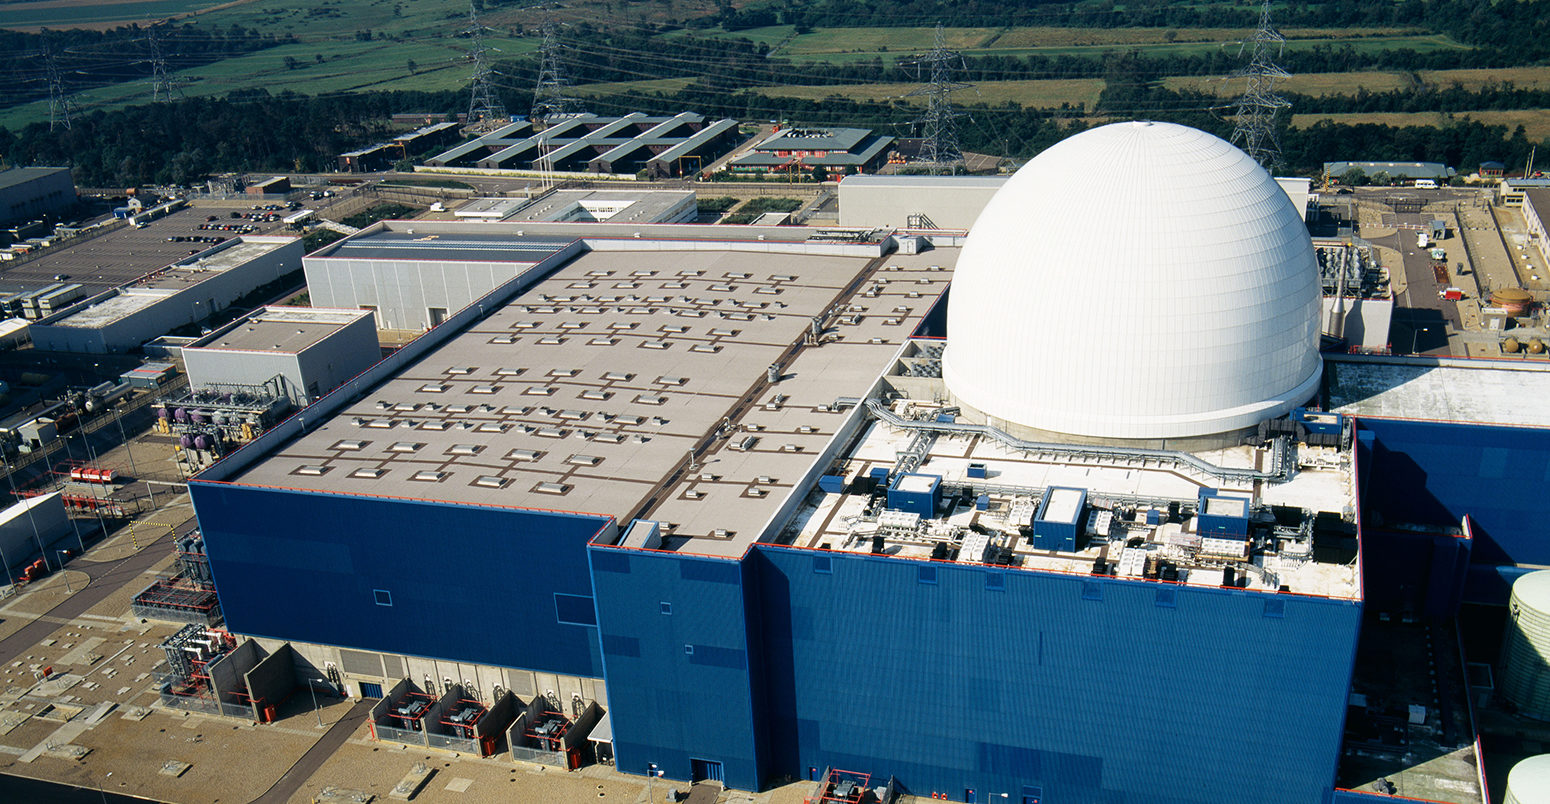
(190, 653)
(188, 593)
(408, 713)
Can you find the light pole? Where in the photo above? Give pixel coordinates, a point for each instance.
(64, 574)
(315, 709)
(651, 773)
(119, 417)
(38, 537)
(1415, 336)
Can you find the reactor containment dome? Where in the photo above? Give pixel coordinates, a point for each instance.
(1135, 282)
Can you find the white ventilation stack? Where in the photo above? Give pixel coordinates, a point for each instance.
(1529, 781)
(1137, 281)
(1525, 671)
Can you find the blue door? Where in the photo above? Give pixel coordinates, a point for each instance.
(706, 771)
(369, 690)
(969, 797)
(1033, 795)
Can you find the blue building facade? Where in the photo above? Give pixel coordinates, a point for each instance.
(1420, 481)
(973, 681)
(404, 576)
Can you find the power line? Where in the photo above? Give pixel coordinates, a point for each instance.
(1254, 124)
(58, 101)
(550, 96)
(940, 151)
(484, 108)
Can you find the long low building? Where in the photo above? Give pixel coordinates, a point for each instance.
(31, 192)
(674, 145)
(186, 292)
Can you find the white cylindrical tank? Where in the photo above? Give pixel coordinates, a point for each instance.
(1135, 281)
(1525, 674)
(1529, 781)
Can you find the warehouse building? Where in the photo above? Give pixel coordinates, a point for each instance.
(748, 461)
(33, 192)
(382, 155)
(664, 146)
(186, 292)
(837, 150)
(1400, 172)
(313, 350)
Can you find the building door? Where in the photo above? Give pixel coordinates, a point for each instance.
(369, 690)
(437, 315)
(969, 797)
(812, 773)
(1033, 795)
(706, 771)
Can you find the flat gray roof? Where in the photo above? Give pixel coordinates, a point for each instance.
(1481, 391)
(415, 243)
(283, 330)
(587, 392)
(924, 181)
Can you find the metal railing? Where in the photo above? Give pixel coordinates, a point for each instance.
(1282, 458)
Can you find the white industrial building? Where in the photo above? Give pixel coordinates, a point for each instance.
(28, 527)
(189, 291)
(313, 351)
(1136, 282)
(953, 202)
(587, 206)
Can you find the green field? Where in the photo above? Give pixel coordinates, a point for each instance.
(79, 14)
(847, 45)
(1081, 92)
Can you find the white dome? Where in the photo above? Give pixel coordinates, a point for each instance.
(1136, 281)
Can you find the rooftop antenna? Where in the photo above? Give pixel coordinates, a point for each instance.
(58, 101)
(549, 95)
(484, 108)
(939, 151)
(1254, 124)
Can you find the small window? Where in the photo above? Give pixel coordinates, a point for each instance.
(382, 597)
(925, 574)
(688, 650)
(823, 565)
(666, 607)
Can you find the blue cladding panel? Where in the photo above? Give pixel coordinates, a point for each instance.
(304, 566)
(1115, 700)
(1435, 473)
(680, 685)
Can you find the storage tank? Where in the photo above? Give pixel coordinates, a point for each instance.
(1529, 781)
(1525, 672)
(1514, 300)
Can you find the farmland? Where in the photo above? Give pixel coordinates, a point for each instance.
(1077, 92)
(1535, 122)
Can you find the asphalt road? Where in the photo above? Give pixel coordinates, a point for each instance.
(107, 577)
(319, 753)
